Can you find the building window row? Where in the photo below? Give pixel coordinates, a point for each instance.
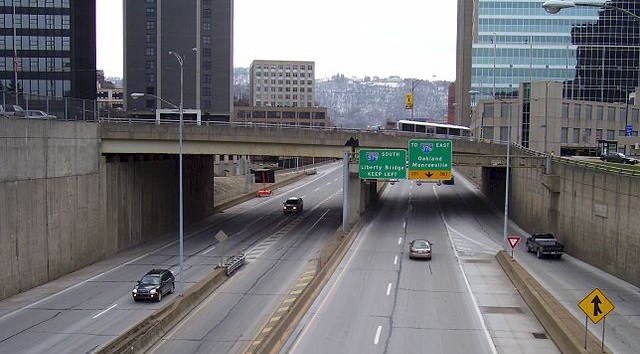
(39, 88)
(283, 74)
(282, 88)
(27, 21)
(61, 4)
(613, 114)
(58, 43)
(287, 82)
(301, 67)
(36, 64)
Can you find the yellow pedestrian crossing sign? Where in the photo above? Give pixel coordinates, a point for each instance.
(596, 306)
(408, 103)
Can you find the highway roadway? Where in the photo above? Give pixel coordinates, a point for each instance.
(380, 301)
(87, 311)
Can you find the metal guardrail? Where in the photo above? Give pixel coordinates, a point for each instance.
(234, 262)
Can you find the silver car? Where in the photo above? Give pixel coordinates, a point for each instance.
(420, 248)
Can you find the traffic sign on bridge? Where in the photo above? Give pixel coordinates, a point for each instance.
(430, 159)
(383, 164)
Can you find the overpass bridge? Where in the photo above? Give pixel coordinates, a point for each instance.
(77, 192)
(281, 140)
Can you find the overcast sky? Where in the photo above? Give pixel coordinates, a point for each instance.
(408, 38)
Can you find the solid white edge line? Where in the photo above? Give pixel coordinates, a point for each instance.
(103, 312)
(339, 276)
(466, 281)
(377, 339)
(389, 289)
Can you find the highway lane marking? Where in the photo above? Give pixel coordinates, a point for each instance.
(317, 189)
(105, 311)
(395, 260)
(339, 277)
(389, 289)
(377, 339)
(466, 280)
(209, 250)
(400, 240)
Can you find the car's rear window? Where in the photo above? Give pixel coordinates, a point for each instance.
(293, 201)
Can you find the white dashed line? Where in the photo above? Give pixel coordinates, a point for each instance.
(103, 312)
(400, 240)
(395, 260)
(389, 289)
(209, 250)
(377, 339)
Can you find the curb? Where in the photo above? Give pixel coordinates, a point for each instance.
(563, 328)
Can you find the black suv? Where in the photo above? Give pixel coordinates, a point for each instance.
(292, 205)
(154, 284)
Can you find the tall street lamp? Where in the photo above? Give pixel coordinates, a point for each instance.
(554, 6)
(181, 202)
(180, 108)
(508, 166)
(473, 108)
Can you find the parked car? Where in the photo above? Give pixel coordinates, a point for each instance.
(420, 248)
(618, 157)
(292, 205)
(544, 244)
(264, 193)
(10, 109)
(154, 285)
(34, 113)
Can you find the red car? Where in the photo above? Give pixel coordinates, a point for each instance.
(264, 193)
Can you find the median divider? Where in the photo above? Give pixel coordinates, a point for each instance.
(276, 336)
(565, 330)
(150, 330)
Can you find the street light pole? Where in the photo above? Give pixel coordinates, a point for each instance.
(181, 198)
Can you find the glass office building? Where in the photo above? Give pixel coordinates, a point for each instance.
(47, 50)
(518, 41)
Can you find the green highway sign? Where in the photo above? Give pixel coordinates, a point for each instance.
(430, 159)
(383, 164)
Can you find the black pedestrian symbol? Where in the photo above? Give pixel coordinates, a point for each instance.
(596, 306)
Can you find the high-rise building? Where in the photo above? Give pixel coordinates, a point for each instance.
(502, 43)
(279, 83)
(47, 52)
(200, 33)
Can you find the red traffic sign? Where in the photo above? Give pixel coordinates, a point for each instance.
(513, 241)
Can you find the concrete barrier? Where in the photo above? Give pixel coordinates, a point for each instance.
(333, 252)
(563, 328)
(151, 329)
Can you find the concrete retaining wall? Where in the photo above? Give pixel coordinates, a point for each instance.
(594, 212)
(49, 214)
(65, 206)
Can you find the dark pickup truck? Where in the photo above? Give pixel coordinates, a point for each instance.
(545, 245)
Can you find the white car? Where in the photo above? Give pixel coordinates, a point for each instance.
(34, 113)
